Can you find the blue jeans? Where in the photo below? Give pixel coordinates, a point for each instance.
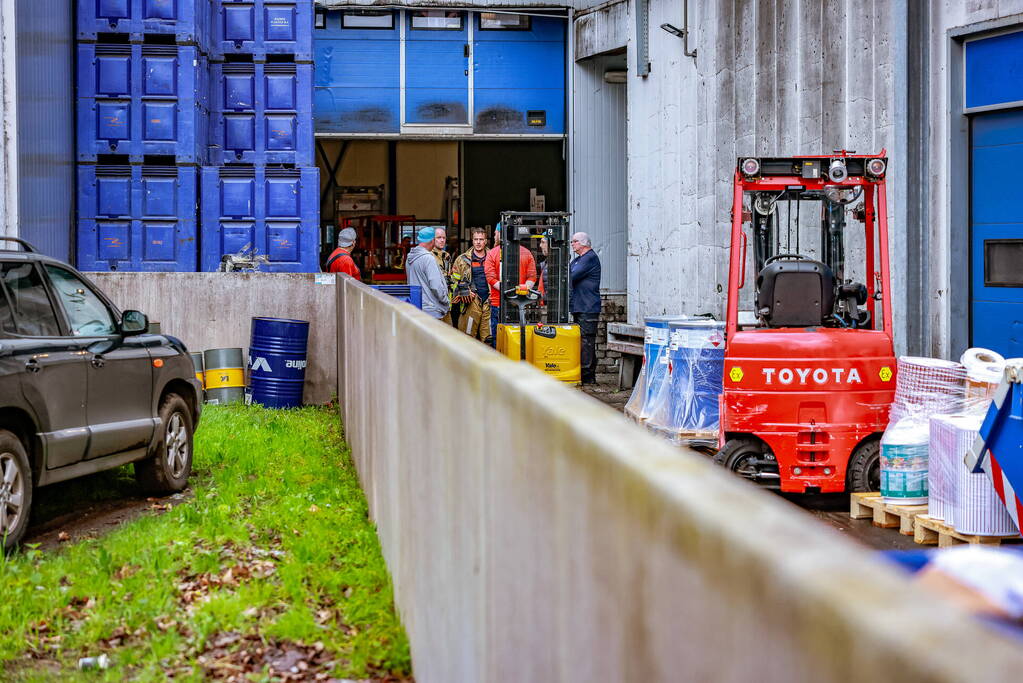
(495, 312)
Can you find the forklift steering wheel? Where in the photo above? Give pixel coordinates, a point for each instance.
(778, 257)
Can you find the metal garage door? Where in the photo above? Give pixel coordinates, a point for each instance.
(437, 48)
(996, 221)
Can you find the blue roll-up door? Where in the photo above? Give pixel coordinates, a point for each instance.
(519, 84)
(358, 76)
(460, 74)
(996, 225)
(437, 67)
(997, 233)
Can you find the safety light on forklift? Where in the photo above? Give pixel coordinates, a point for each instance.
(750, 167)
(837, 171)
(876, 167)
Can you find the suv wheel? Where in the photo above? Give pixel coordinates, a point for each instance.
(15, 489)
(168, 469)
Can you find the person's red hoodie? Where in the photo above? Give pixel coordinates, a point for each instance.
(492, 269)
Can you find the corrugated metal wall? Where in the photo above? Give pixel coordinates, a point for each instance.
(45, 137)
(599, 190)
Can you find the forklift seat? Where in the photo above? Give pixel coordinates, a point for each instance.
(795, 293)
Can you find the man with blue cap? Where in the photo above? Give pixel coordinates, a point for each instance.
(422, 270)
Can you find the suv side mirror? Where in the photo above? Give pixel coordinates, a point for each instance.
(134, 322)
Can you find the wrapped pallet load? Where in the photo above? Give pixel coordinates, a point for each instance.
(964, 500)
(925, 387)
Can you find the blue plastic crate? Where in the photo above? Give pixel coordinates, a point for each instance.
(189, 21)
(412, 294)
(263, 27)
(272, 210)
(137, 218)
(142, 100)
(262, 114)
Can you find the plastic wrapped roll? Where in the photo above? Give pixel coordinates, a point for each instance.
(927, 386)
(984, 369)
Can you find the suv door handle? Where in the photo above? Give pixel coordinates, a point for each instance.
(33, 365)
(97, 361)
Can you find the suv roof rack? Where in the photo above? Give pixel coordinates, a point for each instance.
(27, 246)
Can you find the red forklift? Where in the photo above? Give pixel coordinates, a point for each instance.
(382, 246)
(808, 377)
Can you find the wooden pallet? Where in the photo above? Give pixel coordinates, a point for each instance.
(885, 515)
(930, 531)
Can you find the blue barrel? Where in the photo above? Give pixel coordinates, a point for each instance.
(696, 358)
(655, 361)
(277, 360)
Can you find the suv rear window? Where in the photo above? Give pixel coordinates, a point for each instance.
(33, 312)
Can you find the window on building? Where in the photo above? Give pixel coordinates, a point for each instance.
(1002, 259)
(499, 21)
(436, 20)
(367, 19)
(320, 19)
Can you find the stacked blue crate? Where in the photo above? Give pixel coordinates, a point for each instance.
(143, 131)
(260, 192)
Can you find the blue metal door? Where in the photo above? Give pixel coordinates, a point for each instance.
(437, 56)
(997, 233)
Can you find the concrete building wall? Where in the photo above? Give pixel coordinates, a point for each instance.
(771, 77)
(552, 540)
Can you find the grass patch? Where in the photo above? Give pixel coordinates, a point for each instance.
(272, 571)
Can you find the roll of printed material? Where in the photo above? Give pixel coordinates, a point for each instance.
(983, 365)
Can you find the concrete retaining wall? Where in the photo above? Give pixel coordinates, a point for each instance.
(214, 310)
(535, 535)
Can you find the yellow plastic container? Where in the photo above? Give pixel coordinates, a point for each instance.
(554, 349)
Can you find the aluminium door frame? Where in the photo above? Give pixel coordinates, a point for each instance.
(959, 172)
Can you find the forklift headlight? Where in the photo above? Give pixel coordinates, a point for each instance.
(750, 167)
(837, 171)
(876, 167)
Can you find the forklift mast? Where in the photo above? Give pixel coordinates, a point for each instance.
(526, 229)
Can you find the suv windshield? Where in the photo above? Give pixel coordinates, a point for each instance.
(87, 314)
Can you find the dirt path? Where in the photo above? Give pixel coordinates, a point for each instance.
(93, 519)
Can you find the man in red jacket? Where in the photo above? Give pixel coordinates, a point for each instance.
(340, 260)
(492, 268)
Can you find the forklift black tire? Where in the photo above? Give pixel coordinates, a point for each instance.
(735, 450)
(864, 472)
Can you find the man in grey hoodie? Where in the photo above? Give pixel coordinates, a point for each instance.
(421, 269)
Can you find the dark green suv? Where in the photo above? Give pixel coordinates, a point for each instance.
(83, 388)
